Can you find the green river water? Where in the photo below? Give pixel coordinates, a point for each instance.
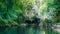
(25, 30)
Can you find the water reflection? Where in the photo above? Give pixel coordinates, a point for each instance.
(25, 30)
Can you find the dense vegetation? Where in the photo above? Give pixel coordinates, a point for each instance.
(17, 11)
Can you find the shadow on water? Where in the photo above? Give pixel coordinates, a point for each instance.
(24, 30)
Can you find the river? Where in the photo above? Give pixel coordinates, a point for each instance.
(25, 30)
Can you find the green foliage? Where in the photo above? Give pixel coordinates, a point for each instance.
(14, 11)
